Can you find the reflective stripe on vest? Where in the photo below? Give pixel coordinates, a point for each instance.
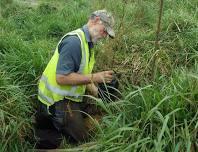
(59, 91)
(45, 98)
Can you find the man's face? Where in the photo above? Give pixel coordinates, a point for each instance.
(98, 31)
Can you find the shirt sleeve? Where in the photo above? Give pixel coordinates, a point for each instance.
(69, 55)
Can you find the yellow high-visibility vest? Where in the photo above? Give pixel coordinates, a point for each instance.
(49, 91)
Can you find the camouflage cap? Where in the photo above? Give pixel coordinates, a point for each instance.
(107, 20)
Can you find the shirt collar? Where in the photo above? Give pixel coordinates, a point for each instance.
(87, 35)
(86, 31)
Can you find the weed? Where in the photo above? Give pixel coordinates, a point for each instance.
(158, 108)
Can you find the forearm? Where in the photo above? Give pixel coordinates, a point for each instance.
(80, 79)
(73, 79)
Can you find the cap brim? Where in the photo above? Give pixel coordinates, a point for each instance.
(110, 32)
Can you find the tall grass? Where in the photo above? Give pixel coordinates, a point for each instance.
(153, 118)
(15, 115)
(157, 114)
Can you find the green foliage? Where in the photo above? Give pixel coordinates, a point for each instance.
(158, 108)
(147, 119)
(46, 8)
(14, 115)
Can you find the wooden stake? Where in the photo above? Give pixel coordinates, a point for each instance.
(159, 25)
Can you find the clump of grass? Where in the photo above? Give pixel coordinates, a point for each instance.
(46, 8)
(152, 118)
(15, 111)
(25, 63)
(154, 115)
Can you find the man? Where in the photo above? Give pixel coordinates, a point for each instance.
(65, 79)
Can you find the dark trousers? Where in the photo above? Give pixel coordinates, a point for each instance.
(65, 120)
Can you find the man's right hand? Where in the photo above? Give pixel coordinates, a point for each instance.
(104, 76)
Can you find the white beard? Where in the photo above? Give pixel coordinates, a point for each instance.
(96, 37)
